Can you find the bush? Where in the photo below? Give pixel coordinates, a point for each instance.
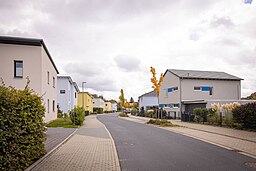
(86, 113)
(245, 116)
(134, 112)
(200, 114)
(77, 115)
(123, 115)
(59, 115)
(97, 110)
(161, 122)
(21, 128)
(149, 114)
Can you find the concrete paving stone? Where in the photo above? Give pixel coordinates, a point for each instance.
(91, 148)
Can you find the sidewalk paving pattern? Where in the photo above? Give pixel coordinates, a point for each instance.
(238, 140)
(55, 136)
(90, 148)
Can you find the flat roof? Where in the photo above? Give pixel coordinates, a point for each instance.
(27, 41)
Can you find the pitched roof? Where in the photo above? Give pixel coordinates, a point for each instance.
(27, 41)
(149, 94)
(210, 75)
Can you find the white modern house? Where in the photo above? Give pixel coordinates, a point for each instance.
(148, 100)
(25, 57)
(98, 102)
(114, 107)
(67, 92)
(184, 90)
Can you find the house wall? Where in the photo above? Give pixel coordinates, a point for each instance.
(107, 107)
(114, 107)
(88, 101)
(230, 90)
(145, 101)
(31, 57)
(98, 103)
(49, 90)
(64, 100)
(171, 98)
(74, 96)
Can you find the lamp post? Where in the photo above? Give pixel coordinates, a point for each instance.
(83, 93)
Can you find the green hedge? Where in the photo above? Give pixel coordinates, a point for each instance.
(245, 116)
(21, 128)
(77, 115)
(98, 110)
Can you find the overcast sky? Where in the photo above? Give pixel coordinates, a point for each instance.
(111, 44)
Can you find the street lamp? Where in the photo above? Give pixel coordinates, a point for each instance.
(83, 93)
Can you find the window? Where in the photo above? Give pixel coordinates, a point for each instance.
(175, 88)
(175, 105)
(48, 105)
(106, 104)
(210, 92)
(53, 106)
(196, 88)
(48, 77)
(62, 91)
(18, 69)
(75, 94)
(53, 82)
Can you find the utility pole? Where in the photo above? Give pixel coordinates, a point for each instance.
(83, 93)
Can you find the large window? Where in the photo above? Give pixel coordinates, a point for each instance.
(18, 69)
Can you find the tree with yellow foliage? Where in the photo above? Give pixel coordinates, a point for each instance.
(156, 83)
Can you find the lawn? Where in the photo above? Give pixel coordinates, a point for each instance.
(60, 122)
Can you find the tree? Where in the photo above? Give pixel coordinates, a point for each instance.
(252, 96)
(121, 97)
(156, 83)
(131, 100)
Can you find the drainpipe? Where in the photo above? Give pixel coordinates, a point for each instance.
(180, 97)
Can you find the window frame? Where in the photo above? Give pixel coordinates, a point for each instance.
(62, 91)
(15, 69)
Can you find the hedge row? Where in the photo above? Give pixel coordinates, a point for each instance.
(21, 128)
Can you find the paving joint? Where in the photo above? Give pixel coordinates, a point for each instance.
(50, 152)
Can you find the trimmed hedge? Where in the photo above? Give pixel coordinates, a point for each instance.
(21, 128)
(98, 110)
(245, 116)
(77, 115)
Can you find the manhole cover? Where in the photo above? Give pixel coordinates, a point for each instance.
(251, 165)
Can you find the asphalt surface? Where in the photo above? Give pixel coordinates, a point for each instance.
(145, 147)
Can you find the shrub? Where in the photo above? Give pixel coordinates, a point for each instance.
(161, 122)
(21, 128)
(150, 113)
(86, 113)
(123, 115)
(97, 110)
(245, 116)
(134, 112)
(228, 120)
(200, 114)
(77, 115)
(66, 116)
(59, 115)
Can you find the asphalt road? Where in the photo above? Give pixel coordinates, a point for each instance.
(145, 147)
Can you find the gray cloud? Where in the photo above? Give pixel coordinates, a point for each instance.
(222, 21)
(127, 63)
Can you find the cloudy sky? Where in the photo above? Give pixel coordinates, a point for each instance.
(111, 44)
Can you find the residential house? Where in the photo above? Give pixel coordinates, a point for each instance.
(114, 106)
(85, 100)
(148, 100)
(23, 58)
(98, 103)
(184, 90)
(107, 106)
(67, 92)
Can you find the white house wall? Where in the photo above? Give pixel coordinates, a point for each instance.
(147, 101)
(98, 103)
(49, 90)
(64, 99)
(31, 57)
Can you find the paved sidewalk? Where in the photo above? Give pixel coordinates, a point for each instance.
(90, 148)
(54, 136)
(240, 141)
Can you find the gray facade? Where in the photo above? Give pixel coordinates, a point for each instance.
(185, 87)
